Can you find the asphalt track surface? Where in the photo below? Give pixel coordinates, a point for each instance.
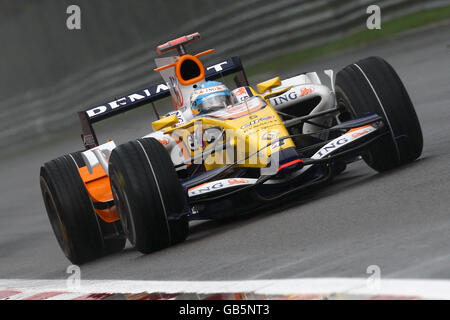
(399, 221)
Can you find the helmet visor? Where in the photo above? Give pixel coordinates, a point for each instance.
(214, 103)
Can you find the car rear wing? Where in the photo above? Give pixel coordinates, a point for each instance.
(148, 95)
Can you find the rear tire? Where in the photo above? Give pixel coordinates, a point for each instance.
(147, 192)
(78, 229)
(372, 85)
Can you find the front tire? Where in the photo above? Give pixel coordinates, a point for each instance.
(372, 85)
(78, 230)
(147, 192)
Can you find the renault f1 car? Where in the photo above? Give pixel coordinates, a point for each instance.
(272, 142)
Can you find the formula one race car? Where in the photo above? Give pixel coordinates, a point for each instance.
(222, 151)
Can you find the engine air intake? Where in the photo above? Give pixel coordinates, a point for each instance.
(189, 70)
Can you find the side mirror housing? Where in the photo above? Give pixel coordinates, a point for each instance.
(268, 85)
(165, 122)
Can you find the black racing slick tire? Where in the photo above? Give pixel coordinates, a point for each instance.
(80, 233)
(147, 191)
(372, 85)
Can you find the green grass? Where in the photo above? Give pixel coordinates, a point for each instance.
(387, 29)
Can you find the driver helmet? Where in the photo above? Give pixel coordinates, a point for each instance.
(210, 96)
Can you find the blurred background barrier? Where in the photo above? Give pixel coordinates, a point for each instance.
(48, 72)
